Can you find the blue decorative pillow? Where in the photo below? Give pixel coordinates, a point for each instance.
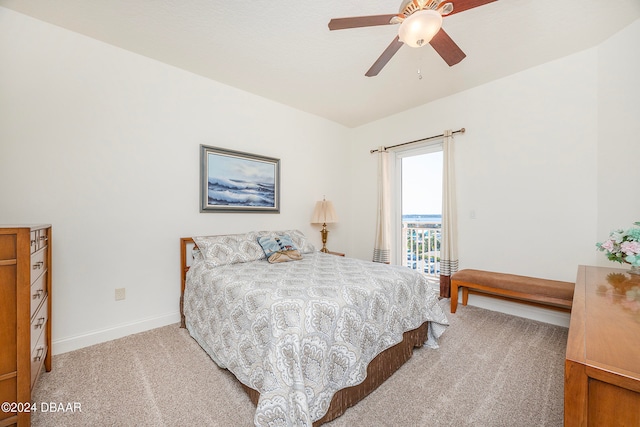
(279, 248)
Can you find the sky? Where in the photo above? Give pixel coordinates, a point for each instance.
(422, 184)
(233, 167)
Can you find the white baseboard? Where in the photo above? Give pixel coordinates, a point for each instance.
(540, 314)
(65, 345)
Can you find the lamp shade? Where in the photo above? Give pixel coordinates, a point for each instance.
(324, 213)
(420, 27)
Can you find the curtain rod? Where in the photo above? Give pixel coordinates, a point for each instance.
(461, 130)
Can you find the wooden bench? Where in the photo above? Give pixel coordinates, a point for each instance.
(529, 290)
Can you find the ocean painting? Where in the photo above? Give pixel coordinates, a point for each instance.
(239, 181)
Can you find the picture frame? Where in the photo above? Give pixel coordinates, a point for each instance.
(234, 181)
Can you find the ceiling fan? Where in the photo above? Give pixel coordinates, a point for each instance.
(420, 23)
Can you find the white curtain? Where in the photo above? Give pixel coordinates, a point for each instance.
(382, 245)
(449, 238)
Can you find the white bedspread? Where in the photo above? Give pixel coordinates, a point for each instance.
(299, 331)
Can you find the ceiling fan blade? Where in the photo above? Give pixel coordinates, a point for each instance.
(462, 5)
(447, 48)
(384, 58)
(360, 21)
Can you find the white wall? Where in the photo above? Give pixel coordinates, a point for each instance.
(618, 133)
(104, 145)
(526, 165)
(537, 164)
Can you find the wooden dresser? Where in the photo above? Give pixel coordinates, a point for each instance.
(25, 316)
(602, 367)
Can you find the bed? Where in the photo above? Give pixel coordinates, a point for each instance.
(306, 338)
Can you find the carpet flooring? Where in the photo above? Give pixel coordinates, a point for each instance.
(491, 369)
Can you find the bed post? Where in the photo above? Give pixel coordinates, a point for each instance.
(184, 241)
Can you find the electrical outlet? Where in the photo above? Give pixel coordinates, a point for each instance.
(119, 294)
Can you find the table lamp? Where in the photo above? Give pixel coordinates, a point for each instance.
(324, 214)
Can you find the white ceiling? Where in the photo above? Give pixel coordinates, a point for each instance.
(284, 51)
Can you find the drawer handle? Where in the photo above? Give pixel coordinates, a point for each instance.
(41, 321)
(39, 354)
(38, 294)
(33, 242)
(43, 237)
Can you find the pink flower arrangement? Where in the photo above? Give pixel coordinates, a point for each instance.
(623, 246)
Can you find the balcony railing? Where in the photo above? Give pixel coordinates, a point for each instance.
(421, 241)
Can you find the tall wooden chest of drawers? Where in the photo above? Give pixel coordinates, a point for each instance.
(25, 316)
(602, 366)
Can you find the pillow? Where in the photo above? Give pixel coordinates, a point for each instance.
(229, 249)
(300, 241)
(297, 237)
(279, 248)
(196, 255)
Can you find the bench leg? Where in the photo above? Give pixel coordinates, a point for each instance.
(465, 295)
(454, 296)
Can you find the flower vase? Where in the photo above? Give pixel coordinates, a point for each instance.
(635, 270)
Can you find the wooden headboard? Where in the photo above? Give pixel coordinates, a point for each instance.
(186, 246)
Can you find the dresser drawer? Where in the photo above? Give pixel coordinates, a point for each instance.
(39, 323)
(38, 355)
(38, 292)
(42, 238)
(38, 264)
(33, 241)
(39, 239)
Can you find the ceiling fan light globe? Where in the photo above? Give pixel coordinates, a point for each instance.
(419, 28)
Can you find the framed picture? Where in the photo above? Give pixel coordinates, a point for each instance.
(232, 181)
